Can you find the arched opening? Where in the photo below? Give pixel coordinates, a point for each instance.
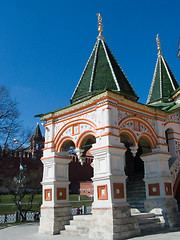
(129, 159)
(126, 139)
(68, 146)
(144, 146)
(134, 166)
(80, 169)
(134, 170)
(86, 143)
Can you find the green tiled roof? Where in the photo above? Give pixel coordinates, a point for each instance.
(102, 72)
(164, 83)
(166, 106)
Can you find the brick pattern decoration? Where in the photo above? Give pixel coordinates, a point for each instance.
(168, 189)
(154, 189)
(102, 192)
(118, 190)
(48, 194)
(61, 193)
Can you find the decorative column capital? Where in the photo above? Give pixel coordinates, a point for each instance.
(134, 150)
(79, 153)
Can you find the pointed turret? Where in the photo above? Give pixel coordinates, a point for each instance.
(164, 84)
(37, 141)
(37, 132)
(102, 72)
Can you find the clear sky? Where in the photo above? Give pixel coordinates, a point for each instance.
(45, 44)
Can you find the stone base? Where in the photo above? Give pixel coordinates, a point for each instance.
(53, 219)
(165, 209)
(113, 223)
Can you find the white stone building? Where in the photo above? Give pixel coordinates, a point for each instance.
(134, 146)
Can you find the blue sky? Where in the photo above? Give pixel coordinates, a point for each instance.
(44, 46)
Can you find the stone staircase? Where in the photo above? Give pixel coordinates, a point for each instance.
(79, 226)
(136, 195)
(148, 222)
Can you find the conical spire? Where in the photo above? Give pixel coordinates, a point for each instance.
(102, 72)
(164, 83)
(37, 132)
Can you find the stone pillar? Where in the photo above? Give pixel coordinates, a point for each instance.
(111, 217)
(159, 196)
(55, 208)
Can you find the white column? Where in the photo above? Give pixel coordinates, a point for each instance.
(110, 209)
(55, 208)
(109, 177)
(159, 195)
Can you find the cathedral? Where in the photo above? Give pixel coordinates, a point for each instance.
(135, 149)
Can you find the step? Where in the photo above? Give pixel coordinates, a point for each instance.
(145, 228)
(73, 233)
(148, 222)
(79, 226)
(136, 200)
(135, 183)
(144, 215)
(86, 217)
(143, 221)
(82, 228)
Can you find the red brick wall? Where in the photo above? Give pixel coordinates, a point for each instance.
(86, 188)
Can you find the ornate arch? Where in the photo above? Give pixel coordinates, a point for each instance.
(63, 140)
(138, 128)
(73, 130)
(149, 138)
(130, 133)
(83, 136)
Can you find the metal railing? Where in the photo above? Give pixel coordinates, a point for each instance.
(32, 216)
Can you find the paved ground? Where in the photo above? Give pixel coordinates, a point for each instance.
(30, 232)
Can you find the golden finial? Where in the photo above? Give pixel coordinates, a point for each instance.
(100, 25)
(158, 44)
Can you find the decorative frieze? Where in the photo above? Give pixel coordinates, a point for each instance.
(122, 115)
(151, 122)
(173, 118)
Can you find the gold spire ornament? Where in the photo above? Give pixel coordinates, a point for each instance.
(100, 25)
(158, 44)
